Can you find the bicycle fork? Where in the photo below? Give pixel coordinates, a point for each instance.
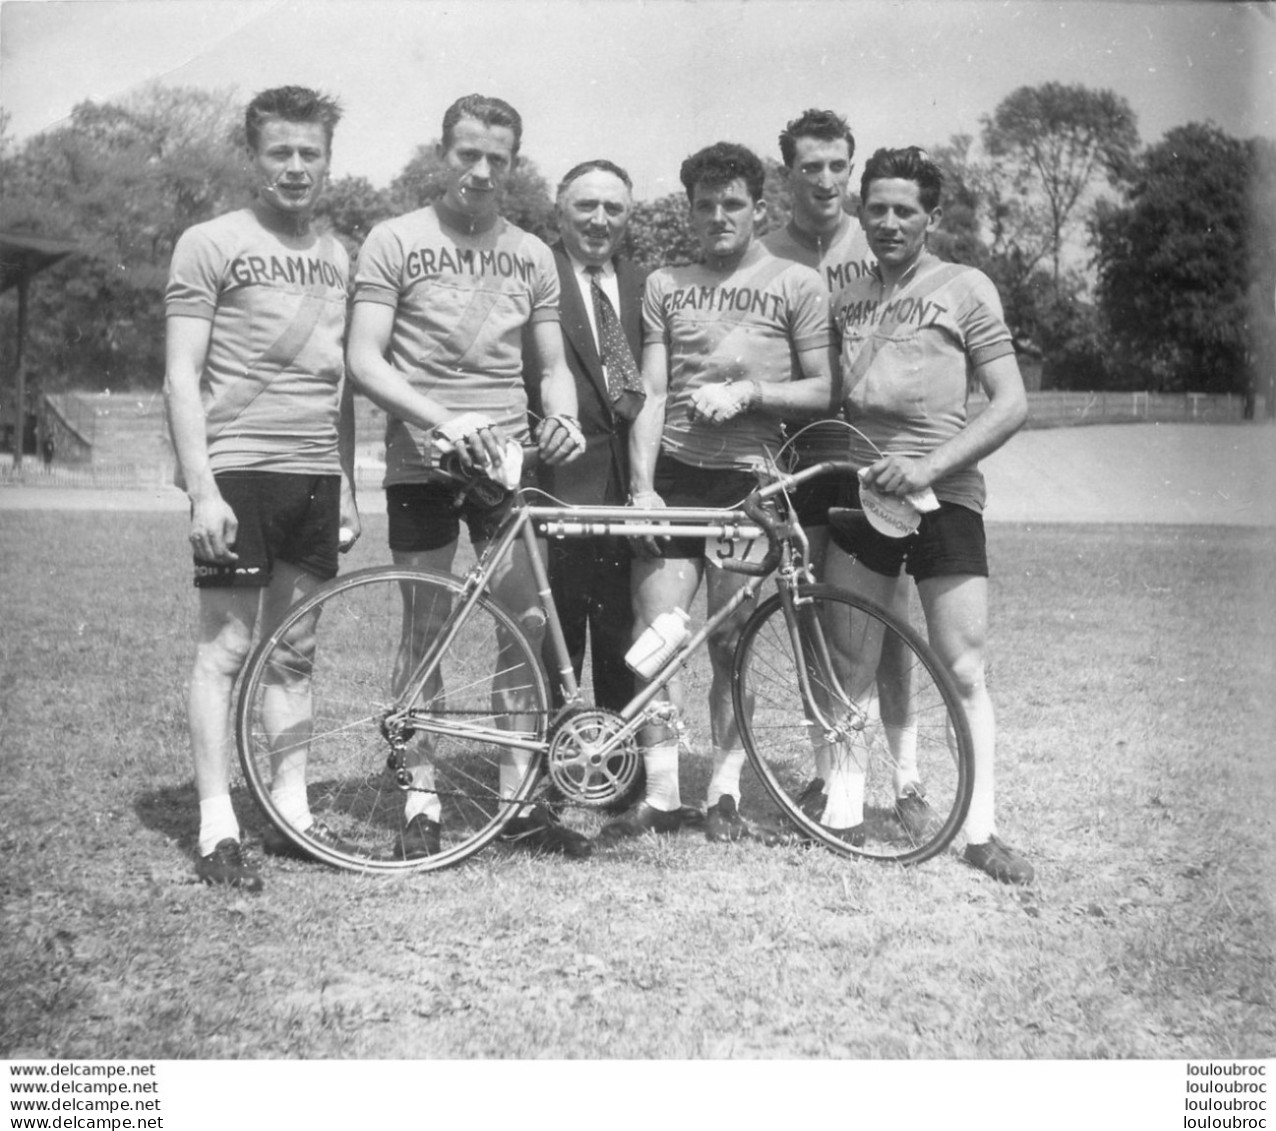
(809, 641)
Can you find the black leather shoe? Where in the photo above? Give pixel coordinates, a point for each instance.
(914, 813)
(853, 836)
(723, 821)
(275, 843)
(642, 819)
(812, 800)
(541, 831)
(997, 859)
(420, 838)
(226, 865)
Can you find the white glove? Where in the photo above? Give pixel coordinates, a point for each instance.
(720, 403)
(509, 471)
(924, 500)
(450, 432)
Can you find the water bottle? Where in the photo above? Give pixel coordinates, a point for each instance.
(662, 639)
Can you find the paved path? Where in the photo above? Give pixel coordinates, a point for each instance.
(1137, 473)
(1212, 474)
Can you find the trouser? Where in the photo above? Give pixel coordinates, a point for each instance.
(590, 581)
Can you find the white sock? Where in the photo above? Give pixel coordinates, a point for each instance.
(294, 807)
(725, 781)
(823, 758)
(661, 762)
(422, 799)
(903, 746)
(980, 826)
(845, 806)
(514, 765)
(216, 822)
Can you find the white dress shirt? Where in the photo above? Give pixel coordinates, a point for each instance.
(606, 280)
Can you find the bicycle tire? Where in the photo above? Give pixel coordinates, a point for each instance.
(780, 735)
(348, 671)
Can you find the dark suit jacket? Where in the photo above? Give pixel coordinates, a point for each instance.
(606, 460)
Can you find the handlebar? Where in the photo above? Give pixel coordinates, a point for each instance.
(775, 529)
(771, 526)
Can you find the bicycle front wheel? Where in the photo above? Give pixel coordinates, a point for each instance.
(853, 726)
(338, 756)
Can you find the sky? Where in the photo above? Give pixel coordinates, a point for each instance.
(646, 82)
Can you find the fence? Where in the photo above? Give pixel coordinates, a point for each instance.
(33, 473)
(1064, 409)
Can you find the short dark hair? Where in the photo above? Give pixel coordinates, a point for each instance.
(909, 164)
(822, 124)
(599, 163)
(292, 104)
(486, 109)
(720, 164)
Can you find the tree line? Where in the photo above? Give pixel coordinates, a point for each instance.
(1121, 266)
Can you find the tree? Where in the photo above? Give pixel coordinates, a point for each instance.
(352, 206)
(985, 226)
(778, 194)
(122, 180)
(659, 235)
(960, 239)
(1053, 144)
(1262, 276)
(1177, 260)
(1014, 205)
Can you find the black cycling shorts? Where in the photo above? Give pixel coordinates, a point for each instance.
(681, 485)
(427, 516)
(282, 517)
(950, 542)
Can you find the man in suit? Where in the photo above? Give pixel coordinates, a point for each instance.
(590, 576)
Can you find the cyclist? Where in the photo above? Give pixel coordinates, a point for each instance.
(818, 150)
(256, 306)
(917, 334)
(441, 297)
(731, 346)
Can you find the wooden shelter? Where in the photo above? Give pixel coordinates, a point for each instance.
(21, 257)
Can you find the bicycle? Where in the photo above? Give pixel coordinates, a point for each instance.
(390, 680)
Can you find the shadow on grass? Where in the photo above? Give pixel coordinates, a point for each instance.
(173, 811)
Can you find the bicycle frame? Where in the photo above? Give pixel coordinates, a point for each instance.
(528, 523)
(806, 691)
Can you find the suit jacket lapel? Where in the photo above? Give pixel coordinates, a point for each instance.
(575, 323)
(630, 283)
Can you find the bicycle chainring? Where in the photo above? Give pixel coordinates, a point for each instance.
(577, 766)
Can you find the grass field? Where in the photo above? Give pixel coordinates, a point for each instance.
(1133, 670)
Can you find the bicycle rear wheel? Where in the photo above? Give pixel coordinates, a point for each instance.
(321, 699)
(840, 709)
